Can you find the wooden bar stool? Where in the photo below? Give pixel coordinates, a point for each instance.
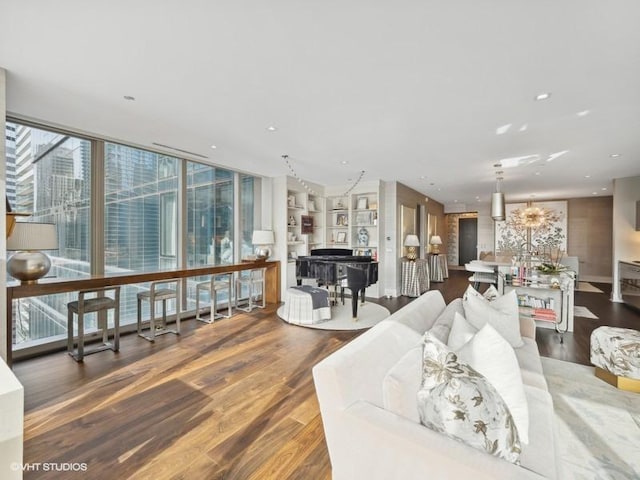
(99, 304)
(153, 295)
(254, 280)
(213, 286)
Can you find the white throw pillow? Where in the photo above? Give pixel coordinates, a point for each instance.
(461, 332)
(462, 404)
(491, 355)
(502, 314)
(401, 384)
(491, 293)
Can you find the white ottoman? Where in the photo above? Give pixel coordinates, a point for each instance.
(306, 305)
(615, 352)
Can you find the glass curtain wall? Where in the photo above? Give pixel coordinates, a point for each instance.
(50, 181)
(49, 177)
(210, 232)
(141, 218)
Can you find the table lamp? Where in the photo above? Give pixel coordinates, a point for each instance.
(262, 240)
(29, 264)
(411, 242)
(435, 242)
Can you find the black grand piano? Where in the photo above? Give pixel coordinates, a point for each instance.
(338, 267)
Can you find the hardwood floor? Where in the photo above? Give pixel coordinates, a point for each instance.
(232, 400)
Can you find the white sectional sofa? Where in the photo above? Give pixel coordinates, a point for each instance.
(367, 440)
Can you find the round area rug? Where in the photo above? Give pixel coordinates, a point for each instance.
(368, 315)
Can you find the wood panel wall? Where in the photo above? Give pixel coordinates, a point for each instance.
(590, 236)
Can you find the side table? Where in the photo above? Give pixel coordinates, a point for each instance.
(415, 277)
(438, 267)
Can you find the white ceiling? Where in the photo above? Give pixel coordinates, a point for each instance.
(402, 89)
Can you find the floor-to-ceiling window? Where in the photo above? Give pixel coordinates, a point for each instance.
(49, 177)
(210, 232)
(140, 217)
(51, 182)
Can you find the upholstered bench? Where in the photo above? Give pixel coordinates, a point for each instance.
(615, 352)
(305, 305)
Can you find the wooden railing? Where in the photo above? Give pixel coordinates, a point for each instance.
(50, 286)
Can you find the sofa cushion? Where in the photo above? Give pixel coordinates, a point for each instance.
(502, 314)
(421, 313)
(530, 364)
(491, 355)
(442, 325)
(540, 454)
(462, 404)
(461, 332)
(401, 384)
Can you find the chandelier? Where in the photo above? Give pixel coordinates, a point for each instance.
(533, 217)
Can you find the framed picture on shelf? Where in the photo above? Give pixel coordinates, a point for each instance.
(306, 223)
(342, 237)
(291, 200)
(364, 218)
(311, 206)
(341, 220)
(363, 203)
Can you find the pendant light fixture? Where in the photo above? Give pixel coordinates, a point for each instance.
(497, 201)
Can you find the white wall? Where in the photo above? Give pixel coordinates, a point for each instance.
(3, 220)
(626, 240)
(391, 251)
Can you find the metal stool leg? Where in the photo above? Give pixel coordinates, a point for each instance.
(70, 332)
(140, 317)
(80, 354)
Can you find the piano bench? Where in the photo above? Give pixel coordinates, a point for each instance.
(306, 305)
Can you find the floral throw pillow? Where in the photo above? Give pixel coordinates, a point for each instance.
(459, 402)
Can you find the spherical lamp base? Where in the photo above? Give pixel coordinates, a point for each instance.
(411, 254)
(262, 252)
(29, 266)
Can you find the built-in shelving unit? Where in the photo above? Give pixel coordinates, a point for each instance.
(298, 223)
(352, 221)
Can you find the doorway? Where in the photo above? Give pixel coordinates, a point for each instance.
(467, 240)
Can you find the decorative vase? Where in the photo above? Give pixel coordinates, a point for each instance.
(363, 237)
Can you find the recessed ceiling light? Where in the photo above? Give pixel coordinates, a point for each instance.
(603, 188)
(271, 128)
(543, 96)
(594, 193)
(524, 127)
(439, 189)
(455, 201)
(213, 147)
(583, 113)
(614, 155)
(129, 97)
(344, 162)
(422, 177)
(537, 173)
(587, 176)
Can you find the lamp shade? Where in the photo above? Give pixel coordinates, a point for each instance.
(497, 206)
(262, 237)
(28, 236)
(435, 240)
(411, 241)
